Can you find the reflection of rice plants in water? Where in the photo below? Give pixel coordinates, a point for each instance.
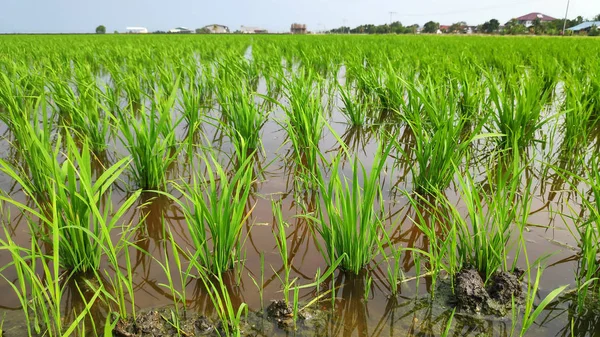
(390, 170)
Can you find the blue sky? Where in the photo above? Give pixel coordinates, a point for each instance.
(76, 16)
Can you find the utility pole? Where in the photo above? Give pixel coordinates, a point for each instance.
(565, 21)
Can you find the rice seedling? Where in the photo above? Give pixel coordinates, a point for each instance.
(355, 109)
(38, 285)
(440, 142)
(217, 204)
(350, 220)
(196, 96)
(483, 242)
(151, 141)
(578, 114)
(586, 230)
(532, 312)
(281, 239)
(518, 110)
(243, 117)
(304, 122)
(84, 224)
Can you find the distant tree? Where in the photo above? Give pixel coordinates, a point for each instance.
(579, 19)
(513, 27)
(457, 27)
(203, 30)
(538, 27)
(596, 18)
(431, 27)
(116, 32)
(101, 30)
(490, 26)
(594, 31)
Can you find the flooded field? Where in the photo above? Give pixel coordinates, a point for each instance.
(180, 185)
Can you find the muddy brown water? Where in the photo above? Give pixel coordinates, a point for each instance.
(411, 313)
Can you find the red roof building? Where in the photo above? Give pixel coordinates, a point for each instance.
(528, 19)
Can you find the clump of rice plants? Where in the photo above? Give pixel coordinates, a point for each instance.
(196, 96)
(517, 110)
(350, 219)
(483, 241)
(242, 116)
(586, 230)
(578, 111)
(356, 108)
(151, 140)
(304, 122)
(440, 141)
(217, 204)
(83, 222)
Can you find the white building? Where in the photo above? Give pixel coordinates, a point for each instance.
(180, 30)
(217, 29)
(253, 30)
(136, 30)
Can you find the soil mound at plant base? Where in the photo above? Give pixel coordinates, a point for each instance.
(154, 323)
(470, 291)
(504, 286)
(473, 296)
(309, 319)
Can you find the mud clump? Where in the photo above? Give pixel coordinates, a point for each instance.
(472, 295)
(504, 286)
(154, 323)
(282, 314)
(309, 322)
(470, 291)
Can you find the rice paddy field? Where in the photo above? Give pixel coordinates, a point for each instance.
(299, 186)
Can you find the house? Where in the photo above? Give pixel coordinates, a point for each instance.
(216, 29)
(298, 28)
(180, 30)
(444, 29)
(136, 30)
(528, 19)
(586, 26)
(252, 30)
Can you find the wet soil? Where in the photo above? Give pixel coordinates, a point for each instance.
(276, 319)
(472, 295)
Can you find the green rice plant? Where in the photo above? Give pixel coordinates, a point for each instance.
(243, 118)
(217, 204)
(195, 97)
(440, 142)
(483, 240)
(350, 221)
(517, 113)
(85, 223)
(281, 239)
(151, 141)
(430, 218)
(260, 286)
(578, 113)
(38, 285)
(586, 230)
(230, 316)
(304, 122)
(356, 108)
(33, 141)
(531, 312)
(393, 270)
